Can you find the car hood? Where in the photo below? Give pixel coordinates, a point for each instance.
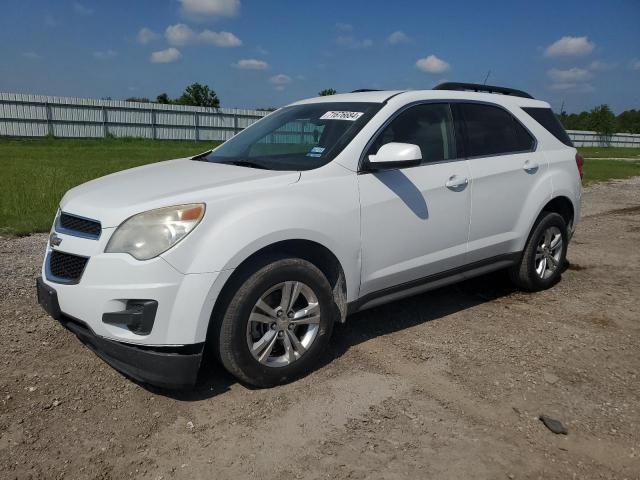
(114, 198)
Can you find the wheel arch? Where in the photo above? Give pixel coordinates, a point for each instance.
(316, 253)
(563, 206)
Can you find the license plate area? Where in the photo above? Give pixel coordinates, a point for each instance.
(48, 299)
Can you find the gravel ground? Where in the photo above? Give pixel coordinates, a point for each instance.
(444, 385)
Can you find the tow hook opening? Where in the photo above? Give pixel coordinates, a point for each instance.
(138, 317)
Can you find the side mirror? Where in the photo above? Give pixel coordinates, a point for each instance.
(396, 155)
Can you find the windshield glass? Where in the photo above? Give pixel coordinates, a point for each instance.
(300, 137)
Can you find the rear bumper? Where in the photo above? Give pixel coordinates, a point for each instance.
(167, 367)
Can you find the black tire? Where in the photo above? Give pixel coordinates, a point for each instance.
(232, 347)
(524, 274)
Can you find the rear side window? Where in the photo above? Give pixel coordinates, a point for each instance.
(429, 126)
(493, 131)
(546, 118)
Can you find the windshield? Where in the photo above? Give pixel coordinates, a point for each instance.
(301, 137)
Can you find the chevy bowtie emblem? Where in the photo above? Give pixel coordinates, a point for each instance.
(54, 240)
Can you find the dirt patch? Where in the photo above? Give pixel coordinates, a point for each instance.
(576, 267)
(447, 385)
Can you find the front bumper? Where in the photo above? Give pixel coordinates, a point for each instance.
(168, 367)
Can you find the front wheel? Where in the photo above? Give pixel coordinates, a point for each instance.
(544, 255)
(277, 324)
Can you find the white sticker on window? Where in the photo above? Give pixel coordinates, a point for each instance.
(349, 116)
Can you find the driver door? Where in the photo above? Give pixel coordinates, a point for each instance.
(415, 221)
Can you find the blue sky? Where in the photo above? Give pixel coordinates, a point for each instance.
(261, 53)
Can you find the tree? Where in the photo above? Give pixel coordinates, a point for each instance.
(602, 120)
(138, 99)
(629, 122)
(198, 95)
(163, 98)
(326, 92)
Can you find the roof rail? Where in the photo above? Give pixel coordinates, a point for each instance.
(476, 87)
(360, 90)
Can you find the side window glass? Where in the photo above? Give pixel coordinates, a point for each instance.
(429, 126)
(493, 131)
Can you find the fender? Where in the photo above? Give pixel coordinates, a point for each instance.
(239, 226)
(563, 184)
(538, 197)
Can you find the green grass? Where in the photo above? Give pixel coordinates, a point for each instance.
(35, 173)
(603, 170)
(609, 152)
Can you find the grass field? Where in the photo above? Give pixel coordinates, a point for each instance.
(603, 170)
(610, 152)
(36, 173)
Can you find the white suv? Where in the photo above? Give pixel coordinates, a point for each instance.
(331, 205)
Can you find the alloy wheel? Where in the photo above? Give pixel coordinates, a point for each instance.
(283, 324)
(549, 252)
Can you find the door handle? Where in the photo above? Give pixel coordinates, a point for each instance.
(456, 183)
(530, 167)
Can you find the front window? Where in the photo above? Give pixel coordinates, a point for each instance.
(429, 126)
(301, 137)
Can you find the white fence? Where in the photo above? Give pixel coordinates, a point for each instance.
(39, 116)
(68, 117)
(592, 139)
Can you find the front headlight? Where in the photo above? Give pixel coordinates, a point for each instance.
(148, 234)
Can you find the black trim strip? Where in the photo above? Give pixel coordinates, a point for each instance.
(499, 261)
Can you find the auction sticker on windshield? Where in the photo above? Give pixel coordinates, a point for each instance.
(349, 116)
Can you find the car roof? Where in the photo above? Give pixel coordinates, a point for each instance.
(381, 96)
(371, 96)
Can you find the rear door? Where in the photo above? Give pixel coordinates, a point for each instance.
(414, 221)
(504, 168)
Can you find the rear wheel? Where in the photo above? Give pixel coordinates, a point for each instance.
(277, 324)
(544, 255)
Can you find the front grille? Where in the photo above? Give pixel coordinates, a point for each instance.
(79, 226)
(66, 267)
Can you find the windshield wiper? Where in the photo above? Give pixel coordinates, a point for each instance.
(244, 163)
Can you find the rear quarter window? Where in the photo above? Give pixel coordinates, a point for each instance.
(546, 118)
(491, 130)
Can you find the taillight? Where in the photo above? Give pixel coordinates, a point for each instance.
(579, 163)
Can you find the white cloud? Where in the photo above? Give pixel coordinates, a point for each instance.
(179, 35)
(50, 20)
(81, 9)
(251, 64)
(572, 87)
(166, 56)
(570, 47)
(280, 79)
(572, 75)
(210, 8)
(344, 27)
(31, 55)
(352, 42)
(432, 64)
(219, 39)
(599, 66)
(146, 35)
(397, 38)
(573, 80)
(104, 55)
(634, 64)
(262, 51)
